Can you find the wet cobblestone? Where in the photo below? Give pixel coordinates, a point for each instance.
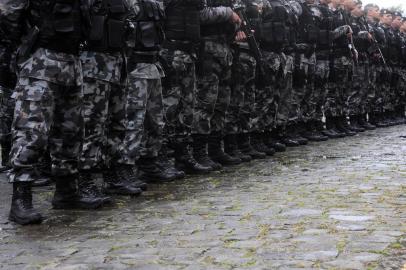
(334, 205)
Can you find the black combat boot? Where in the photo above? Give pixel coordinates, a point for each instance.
(122, 180)
(5, 154)
(200, 152)
(298, 129)
(246, 148)
(88, 188)
(362, 121)
(385, 119)
(289, 137)
(400, 111)
(331, 130)
(150, 171)
(258, 144)
(22, 211)
(217, 154)
(311, 133)
(166, 166)
(342, 126)
(354, 124)
(67, 197)
(184, 161)
(272, 142)
(376, 120)
(231, 148)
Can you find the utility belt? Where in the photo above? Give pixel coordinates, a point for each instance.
(340, 52)
(185, 46)
(61, 45)
(103, 50)
(136, 58)
(268, 47)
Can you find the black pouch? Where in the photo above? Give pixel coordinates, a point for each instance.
(64, 18)
(148, 34)
(116, 33)
(312, 35)
(98, 25)
(267, 34)
(280, 33)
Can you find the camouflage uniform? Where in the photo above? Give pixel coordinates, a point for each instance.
(242, 102)
(48, 110)
(103, 108)
(214, 74)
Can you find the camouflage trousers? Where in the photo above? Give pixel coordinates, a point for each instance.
(286, 114)
(395, 88)
(380, 74)
(213, 88)
(47, 114)
(144, 114)
(6, 114)
(358, 92)
(371, 91)
(303, 85)
(402, 87)
(179, 87)
(242, 101)
(337, 94)
(267, 93)
(317, 97)
(103, 109)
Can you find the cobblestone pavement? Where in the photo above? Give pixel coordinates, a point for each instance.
(334, 205)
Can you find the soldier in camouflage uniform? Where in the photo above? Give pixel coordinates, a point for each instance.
(104, 104)
(242, 103)
(395, 59)
(341, 67)
(143, 136)
(179, 86)
(361, 82)
(377, 68)
(310, 35)
(218, 25)
(48, 102)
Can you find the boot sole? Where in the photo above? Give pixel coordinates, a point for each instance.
(23, 221)
(69, 206)
(122, 192)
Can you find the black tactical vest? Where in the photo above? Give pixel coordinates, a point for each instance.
(357, 25)
(325, 24)
(340, 18)
(62, 23)
(225, 29)
(308, 27)
(183, 20)
(147, 33)
(395, 45)
(278, 25)
(108, 25)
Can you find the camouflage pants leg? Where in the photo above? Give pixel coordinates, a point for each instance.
(95, 111)
(317, 98)
(6, 114)
(267, 94)
(178, 94)
(247, 71)
(144, 114)
(285, 113)
(372, 89)
(104, 122)
(395, 87)
(359, 88)
(45, 113)
(222, 62)
(337, 96)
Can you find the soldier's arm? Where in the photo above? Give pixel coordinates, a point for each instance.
(11, 21)
(213, 15)
(341, 31)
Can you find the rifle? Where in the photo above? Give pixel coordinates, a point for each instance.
(374, 41)
(351, 45)
(251, 40)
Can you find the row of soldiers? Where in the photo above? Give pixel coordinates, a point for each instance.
(116, 87)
